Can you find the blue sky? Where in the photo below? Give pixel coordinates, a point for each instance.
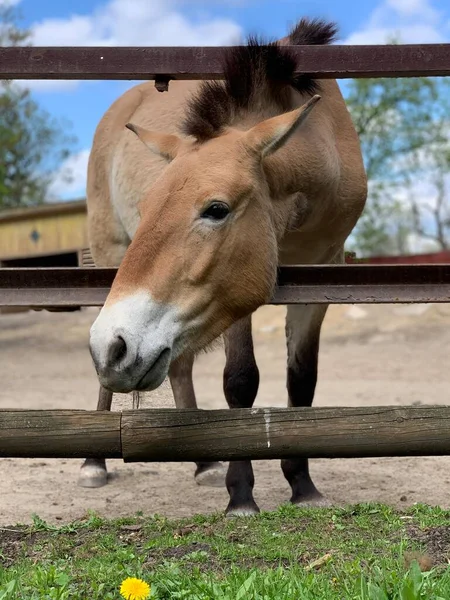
(196, 22)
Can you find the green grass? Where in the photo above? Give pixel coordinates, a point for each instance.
(369, 552)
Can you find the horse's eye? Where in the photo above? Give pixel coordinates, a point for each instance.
(217, 211)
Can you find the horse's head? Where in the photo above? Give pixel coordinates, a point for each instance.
(204, 255)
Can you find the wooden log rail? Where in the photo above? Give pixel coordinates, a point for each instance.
(319, 284)
(165, 63)
(206, 435)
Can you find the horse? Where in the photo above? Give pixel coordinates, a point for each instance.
(197, 196)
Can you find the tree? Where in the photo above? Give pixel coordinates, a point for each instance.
(403, 129)
(32, 144)
(430, 202)
(10, 34)
(403, 126)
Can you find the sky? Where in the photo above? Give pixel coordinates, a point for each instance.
(196, 23)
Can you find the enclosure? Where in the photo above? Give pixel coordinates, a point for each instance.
(381, 411)
(409, 431)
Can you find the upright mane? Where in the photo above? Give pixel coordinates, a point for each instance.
(256, 74)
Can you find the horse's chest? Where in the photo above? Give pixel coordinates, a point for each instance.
(299, 247)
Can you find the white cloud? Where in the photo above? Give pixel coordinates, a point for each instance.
(132, 23)
(422, 8)
(135, 23)
(70, 180)
(413, 21)
(408, 35)
(418, 244)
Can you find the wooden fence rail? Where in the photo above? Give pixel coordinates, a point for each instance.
(206, 435)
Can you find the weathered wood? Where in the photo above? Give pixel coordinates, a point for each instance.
(269, 433)
(405, 60)
(59, 434)
(196, 435)
(320, 284)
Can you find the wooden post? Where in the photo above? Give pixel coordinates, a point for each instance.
(59, 434)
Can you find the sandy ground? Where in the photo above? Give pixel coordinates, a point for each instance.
(369, 356)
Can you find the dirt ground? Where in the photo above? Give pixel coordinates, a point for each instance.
(378, 355)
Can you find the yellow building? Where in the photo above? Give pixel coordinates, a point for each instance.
(50, 235)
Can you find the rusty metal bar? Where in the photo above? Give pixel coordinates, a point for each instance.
(341, 62)
(322, 284)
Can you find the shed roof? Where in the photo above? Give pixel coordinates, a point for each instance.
(43, 210)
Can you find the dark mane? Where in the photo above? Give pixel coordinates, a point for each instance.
(257, 70)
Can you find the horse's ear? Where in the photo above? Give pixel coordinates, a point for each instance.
(164, 144)
(270, 135)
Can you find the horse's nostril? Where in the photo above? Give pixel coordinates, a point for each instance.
(117, 351)
(163, 355)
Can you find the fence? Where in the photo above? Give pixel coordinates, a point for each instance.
(179, 435)
(199, 435)
(430, 258)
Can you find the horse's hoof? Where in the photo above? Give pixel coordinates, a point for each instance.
(92, 477)
(212, 477)
(316, 501)
(243, 511)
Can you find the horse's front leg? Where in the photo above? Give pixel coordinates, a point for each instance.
(240, 382)
(303, 325)
(211, 474)
(93, 473)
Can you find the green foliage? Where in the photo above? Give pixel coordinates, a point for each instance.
(403, 129)
(403, 125)
(32, 145)
(414, 585)
(31, 148)
(267, 557)
(174, 583)
(283, 584)
(10, 33)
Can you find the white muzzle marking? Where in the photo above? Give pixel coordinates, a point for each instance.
(132, 343)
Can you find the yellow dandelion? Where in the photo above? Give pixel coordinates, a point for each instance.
(134, 589)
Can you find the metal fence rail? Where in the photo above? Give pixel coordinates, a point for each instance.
(320, 284)
(340, 62)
